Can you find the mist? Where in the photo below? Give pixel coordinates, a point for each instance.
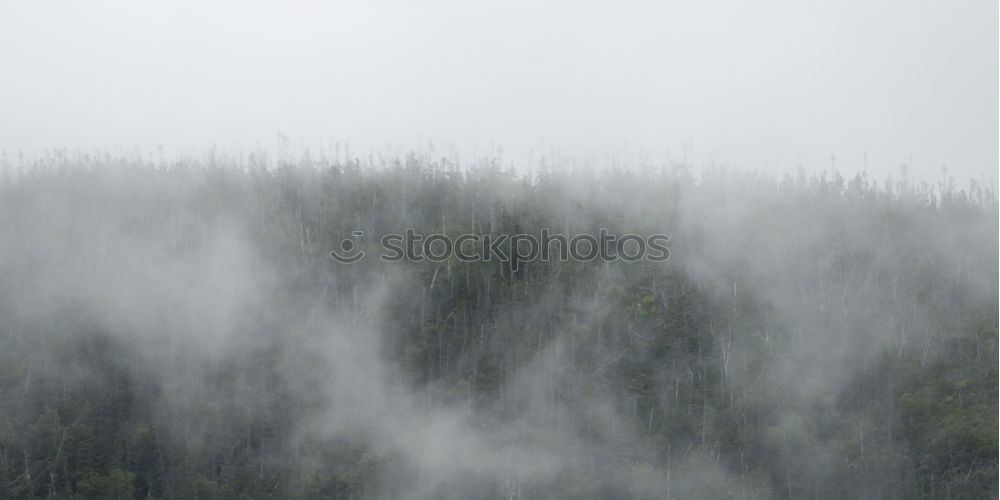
(769, 86)
(196, 299)
(190, 316)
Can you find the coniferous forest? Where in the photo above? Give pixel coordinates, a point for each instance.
(177, 329)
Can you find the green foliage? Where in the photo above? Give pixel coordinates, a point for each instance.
(690, 360)
(116, 484)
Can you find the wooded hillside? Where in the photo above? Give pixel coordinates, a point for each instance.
(179, 331)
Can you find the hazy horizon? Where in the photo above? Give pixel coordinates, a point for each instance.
(765, 87)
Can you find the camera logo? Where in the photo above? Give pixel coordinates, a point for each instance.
(348, 253)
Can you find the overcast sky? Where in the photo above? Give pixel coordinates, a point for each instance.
(767, 84)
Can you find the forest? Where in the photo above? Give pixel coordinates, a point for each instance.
(177, 329)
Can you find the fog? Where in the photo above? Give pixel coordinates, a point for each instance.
(179, 331)
(176, 182)
(769, 85)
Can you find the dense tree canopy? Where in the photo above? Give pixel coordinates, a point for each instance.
(179, 331)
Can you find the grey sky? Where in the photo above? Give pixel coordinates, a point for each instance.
(764, 85)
